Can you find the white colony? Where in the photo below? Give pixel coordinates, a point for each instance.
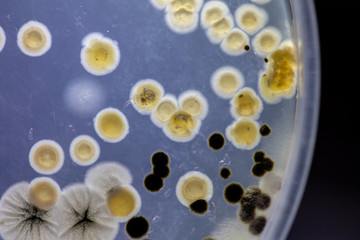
(106, 176)
(21, 220)
(82, 215)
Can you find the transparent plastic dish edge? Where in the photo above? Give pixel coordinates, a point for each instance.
(306, 121)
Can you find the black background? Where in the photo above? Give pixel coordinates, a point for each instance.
(330, 208)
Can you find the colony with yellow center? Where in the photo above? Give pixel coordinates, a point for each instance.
(34, 39)
(111, 125)
(166, 108)
(226, 81)
(193, 186)
(250, 18)
(99, 55)
(46, 157)
(182, 126)
(266, 41)
(280, 77)
(246, 103)
(84, 150)
(113, 182)
(145, 95)
(44, 193)
(235, 43)
(182, 15)
(194, 103)
(243, 133)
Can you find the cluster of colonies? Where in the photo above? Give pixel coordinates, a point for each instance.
(249, 200)
(193, 190)
(47, 156)
(279, 79)
(40, 210)
(253, 198)
(218, 23)
(108, 196)
(181, 16)
(245, 106)
(180, 119)
(154, 181)
(99, 56)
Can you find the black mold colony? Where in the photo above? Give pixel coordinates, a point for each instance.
(253, 198)
(154, 181)
(262, 164)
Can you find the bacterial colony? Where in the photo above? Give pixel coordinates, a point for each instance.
(94, 208)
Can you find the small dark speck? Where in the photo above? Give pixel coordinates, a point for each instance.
(225, 173)
(265, 130)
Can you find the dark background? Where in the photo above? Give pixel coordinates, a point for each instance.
(330, 208)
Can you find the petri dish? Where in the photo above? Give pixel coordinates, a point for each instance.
(242, 175)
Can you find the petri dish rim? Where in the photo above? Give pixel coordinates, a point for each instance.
(306, 121)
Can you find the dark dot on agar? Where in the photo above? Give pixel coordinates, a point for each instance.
(233, 193)
(216, 141)
(153, 183)
(162, 171)
(259, 156)
(266, 60)
(160, 158)
(199, 206)
(225, 173)
(137, 227)
(257, 225)
(247, 48)
(265, 130)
